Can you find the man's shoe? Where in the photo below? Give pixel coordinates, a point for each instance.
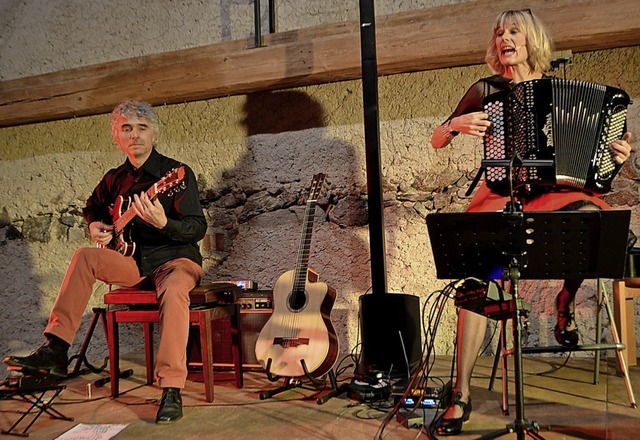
(170, 406)
(46, 360)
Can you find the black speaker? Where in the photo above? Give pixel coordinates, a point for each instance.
(391, 334)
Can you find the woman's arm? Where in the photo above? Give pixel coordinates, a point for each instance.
(467, 118)
(472, 124)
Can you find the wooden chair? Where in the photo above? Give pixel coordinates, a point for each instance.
(624, 292)
(208, 302)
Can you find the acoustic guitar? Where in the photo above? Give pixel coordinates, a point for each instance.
(299, 339)
(122, 212)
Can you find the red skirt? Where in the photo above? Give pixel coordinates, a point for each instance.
(486, 200)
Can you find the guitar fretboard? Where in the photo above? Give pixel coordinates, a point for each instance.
(129, 214)
(302, 264)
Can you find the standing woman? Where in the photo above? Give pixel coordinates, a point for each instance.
(519, 50)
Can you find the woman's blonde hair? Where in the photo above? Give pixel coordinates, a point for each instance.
(539, 43)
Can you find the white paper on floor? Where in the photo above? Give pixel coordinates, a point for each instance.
(85, 431)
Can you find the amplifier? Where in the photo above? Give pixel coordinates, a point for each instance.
(255, 310)
(260, 300)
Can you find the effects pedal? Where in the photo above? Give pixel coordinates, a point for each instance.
(420, 398)
(369, 392)
(423, 394)
(246, 284)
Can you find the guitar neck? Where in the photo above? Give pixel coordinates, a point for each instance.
(302, 265)
(129, 214)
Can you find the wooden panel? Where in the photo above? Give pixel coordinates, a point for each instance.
(432, 38)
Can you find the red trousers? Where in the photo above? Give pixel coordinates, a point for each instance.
(173, 280)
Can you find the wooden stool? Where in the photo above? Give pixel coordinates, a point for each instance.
(208, 302)
(624, 292)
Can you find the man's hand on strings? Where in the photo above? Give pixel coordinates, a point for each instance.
(101, 233)
(151, 211)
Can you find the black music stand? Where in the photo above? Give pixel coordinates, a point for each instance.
(528, 245)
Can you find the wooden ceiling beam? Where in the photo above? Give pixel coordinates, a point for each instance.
(432, 38)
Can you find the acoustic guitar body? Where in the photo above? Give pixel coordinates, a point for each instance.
(299, 333)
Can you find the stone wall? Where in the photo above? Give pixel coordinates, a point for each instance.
(254, 156)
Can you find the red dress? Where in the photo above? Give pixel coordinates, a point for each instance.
(486, 200)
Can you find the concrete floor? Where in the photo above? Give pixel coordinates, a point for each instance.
(565, 403)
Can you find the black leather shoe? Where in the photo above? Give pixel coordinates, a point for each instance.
(566, 338)
(454, 426)
(170, 406)
(46, 360)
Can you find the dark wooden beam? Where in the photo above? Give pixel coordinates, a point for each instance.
(432, 38)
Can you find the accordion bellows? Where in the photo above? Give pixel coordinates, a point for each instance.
(560, 130)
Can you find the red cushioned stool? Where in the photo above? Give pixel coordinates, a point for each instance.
(208, 302)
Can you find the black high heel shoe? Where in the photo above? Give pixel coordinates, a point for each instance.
(566, 338)
(454, 426)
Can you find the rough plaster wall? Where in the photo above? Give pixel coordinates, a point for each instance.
(254, 157)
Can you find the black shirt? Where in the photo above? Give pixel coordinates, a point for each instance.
(186, 224)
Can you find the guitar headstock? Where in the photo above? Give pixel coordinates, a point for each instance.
(172, 180)
(317, 184)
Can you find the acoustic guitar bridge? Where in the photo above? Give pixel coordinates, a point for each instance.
(290, 342)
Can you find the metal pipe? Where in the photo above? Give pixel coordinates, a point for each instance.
(372, 146)
(272, 16)
(256, 20)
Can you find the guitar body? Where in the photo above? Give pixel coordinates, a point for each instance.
(122, 212)
(119, 243)
(299, 333)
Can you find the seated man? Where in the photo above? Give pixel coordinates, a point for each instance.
(162, 249)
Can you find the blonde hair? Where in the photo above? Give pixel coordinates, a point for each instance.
(539, 43)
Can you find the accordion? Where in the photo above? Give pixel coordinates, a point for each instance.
(560, 132)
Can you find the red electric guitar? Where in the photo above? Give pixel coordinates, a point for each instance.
(299, 338)
(171, 180)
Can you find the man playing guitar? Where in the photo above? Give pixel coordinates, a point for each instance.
(166, 223)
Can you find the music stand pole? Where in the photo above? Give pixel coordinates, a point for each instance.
(520, 425)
